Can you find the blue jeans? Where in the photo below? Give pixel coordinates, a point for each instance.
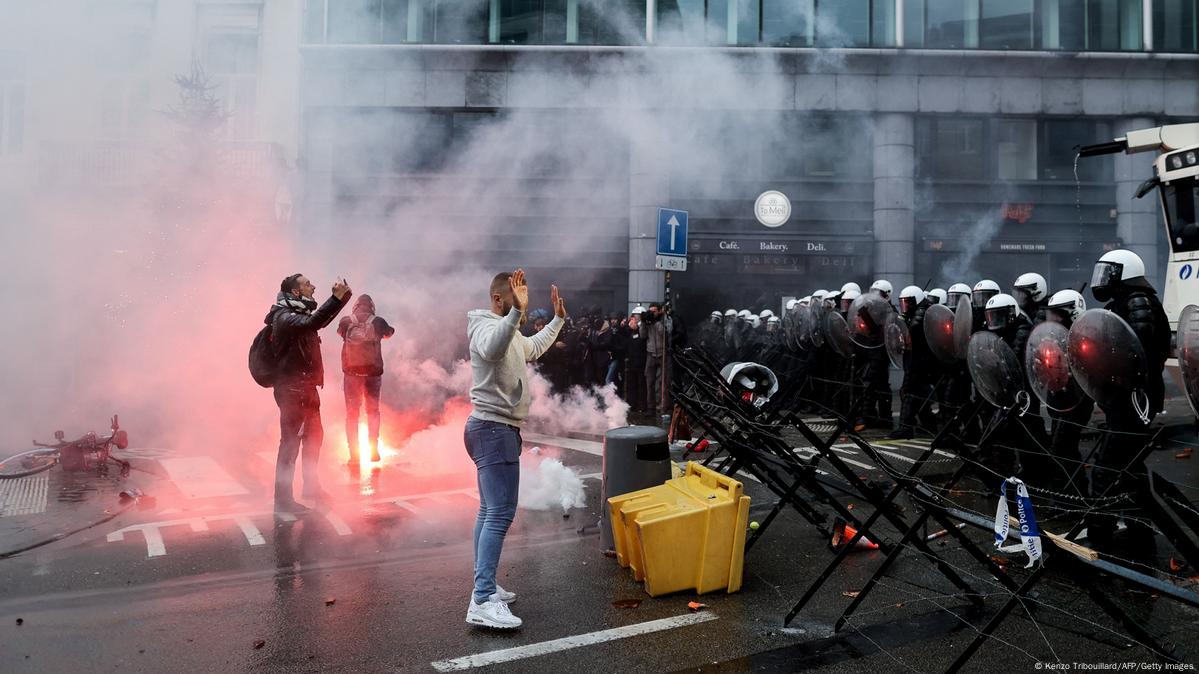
(495, 449)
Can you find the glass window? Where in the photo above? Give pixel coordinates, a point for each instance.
(1016, 147)
(314, 21)
(1059, 143)
(1113, 25)
(618, 22)
(788, 23)
(529, 21)
(1062, 24)
(883, 28)
(353, 21)
(843, 23)
(952, 149)
(680, 22)
(458, 21)
(1181, 199)
(1006, 24)
(733, 22)
(913, 23)
(1174, 25)
(951, 24)
(232, 53)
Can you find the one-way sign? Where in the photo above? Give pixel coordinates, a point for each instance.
(672, 232)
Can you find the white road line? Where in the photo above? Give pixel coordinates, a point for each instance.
(339, 525)
(585, 446)
(253, 535)
(568, 643)
(201, 477)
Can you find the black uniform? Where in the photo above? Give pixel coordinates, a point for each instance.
(919, 377)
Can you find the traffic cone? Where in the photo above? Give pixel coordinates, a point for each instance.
(843, 533)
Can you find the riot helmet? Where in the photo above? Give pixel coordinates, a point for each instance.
(938, 296)
(1116, 269)
(847, 299)
(715, 317)
(1001, 311)
(1029, 289)
(983, 291)
(882, 287)
(852, 286)
(765, 314)
(772, 324)
(1066, 306)
(730, 313)
(791, 304)
(909, 298)
(956, 292)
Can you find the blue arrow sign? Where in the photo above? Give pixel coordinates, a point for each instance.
(672, 232)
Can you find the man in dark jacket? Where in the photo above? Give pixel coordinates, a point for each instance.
(634, 365)
(362, 334)
(295, 320)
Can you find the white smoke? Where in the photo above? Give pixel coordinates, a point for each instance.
(961, 268)
(546, 484)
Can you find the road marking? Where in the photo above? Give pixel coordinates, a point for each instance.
(253, 535)
(568, 643)
(26, 496)
(156, 546)
(585, 446)
(339, 525)
(201, 477)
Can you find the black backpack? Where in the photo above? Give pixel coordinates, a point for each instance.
(264, 358)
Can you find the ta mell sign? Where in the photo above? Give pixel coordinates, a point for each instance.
(772, 208)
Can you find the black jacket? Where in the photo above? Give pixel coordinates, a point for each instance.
(1016, 336)
(1141, 309)
(298, 344)
(922, 357)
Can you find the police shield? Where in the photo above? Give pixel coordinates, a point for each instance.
(1048, 368)
(791, 328)
(963, 326)
(994, 369)
(1188, 354)
(867, 318)
(816, 325)
(938, 330)
(1106, 358)
(837, 332)
(898, 338)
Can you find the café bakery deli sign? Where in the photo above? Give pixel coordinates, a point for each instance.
(783, 246)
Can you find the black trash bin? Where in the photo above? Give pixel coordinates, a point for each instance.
(635, 457)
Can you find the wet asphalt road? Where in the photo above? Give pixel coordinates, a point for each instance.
(216, 584)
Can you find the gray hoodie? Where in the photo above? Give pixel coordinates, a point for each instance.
(498, 355)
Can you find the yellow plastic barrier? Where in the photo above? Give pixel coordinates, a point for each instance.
(686, 534)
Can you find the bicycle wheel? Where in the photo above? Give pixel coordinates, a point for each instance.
(28, 463)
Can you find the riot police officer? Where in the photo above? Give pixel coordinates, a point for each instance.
(1032, 294)
(1119, 280)
(1064, 307)
(916, 392)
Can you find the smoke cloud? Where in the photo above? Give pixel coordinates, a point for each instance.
(145, 248)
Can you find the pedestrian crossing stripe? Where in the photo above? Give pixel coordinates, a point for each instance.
(26, 496)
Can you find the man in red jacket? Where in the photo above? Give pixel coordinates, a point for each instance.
(362, 333)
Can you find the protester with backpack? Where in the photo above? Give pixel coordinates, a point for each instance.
(362, 333)
(286, 355)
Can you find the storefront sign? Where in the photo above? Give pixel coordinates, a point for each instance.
(772, 208)
(1021, 246)
(1021, 213)
(785, 246)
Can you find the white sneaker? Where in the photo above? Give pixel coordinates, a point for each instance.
(493, 614)
(503, 595)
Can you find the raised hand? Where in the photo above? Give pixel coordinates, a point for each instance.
(557, 302)
(341, 289)
(520, 290)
